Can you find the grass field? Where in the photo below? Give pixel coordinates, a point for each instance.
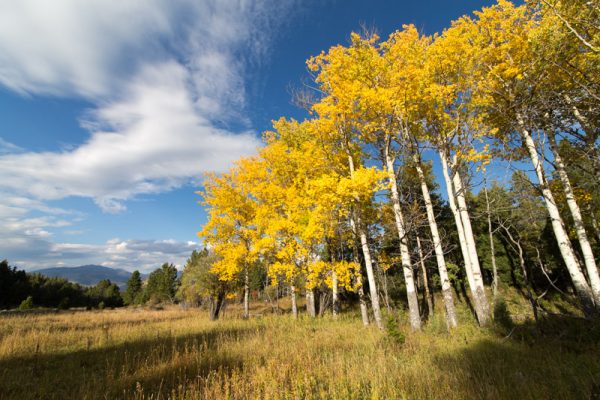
(172, 353)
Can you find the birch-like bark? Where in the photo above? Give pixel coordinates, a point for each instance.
(246, 294)
(481, 301)
(582, 288)
(583, 121)
(357, 224)
(334, 295)
(457, 219)
(492, 246)
(584, 243)
(437, 245)
(425, 278)
(475, 285)
(411, 292)
(364, 312)
(294, 303)
(370, 273)
(310, 303)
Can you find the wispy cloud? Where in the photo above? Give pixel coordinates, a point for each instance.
(7, 147)
(143, 255)
(148, 141)
(165, 77)
(161, 80)
(69, 47)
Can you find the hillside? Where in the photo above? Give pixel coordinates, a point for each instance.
(88, 274)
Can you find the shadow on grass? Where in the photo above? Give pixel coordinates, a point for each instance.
(159, 365)
(556, 359)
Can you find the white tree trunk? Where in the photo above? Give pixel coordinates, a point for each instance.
(294, 303)
(481, 301)
(246, 295)
(586, 248)
(370, 274)
(480, 310)
(360, 230)
(492, 246)
(457, 219)
(564, 244)
(428, 295)
(411, 292)
(583, 121)
(437, 244)
(334, 295)
(364, 312)
(310, 303)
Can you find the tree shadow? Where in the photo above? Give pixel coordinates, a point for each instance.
(556, 359)
(461, 294)
(157, 365)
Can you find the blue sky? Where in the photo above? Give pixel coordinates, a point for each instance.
(110, 112)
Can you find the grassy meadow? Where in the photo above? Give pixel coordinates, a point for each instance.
(180, 354)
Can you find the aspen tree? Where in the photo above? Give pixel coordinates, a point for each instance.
(454, 129)
(334, 129)
(230, 230)
(345, 70)
(568, 93)
(406, 55)
(301, 205)
(507, 94)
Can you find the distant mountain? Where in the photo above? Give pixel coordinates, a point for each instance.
(88, 275)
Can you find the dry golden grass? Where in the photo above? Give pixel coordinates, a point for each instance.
(172, 353)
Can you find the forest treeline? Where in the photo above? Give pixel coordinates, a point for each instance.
(345, 202)
(27, 290)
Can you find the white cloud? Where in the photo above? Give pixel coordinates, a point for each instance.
(152, 141)
(153, 128)
(35, 249)
(7, 147)
(74, 47)
(164, 77)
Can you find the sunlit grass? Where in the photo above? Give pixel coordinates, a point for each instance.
(172, 353)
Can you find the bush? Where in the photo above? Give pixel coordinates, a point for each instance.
(502, 318)
(437, 324)
(26, 304)
(392, 328)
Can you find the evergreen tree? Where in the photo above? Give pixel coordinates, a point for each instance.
(162, 284)
(133, 293)
(105, 292)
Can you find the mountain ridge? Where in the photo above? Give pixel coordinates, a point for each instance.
(88, 275)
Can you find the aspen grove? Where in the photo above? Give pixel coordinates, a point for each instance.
(334, 202)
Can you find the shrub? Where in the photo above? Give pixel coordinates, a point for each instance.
(26, 304)
(502, 318)
(392, 328)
